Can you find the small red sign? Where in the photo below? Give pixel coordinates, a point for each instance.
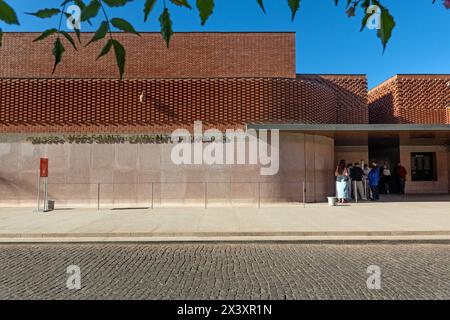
(44, 168)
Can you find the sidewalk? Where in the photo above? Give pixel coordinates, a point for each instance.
(419, 220)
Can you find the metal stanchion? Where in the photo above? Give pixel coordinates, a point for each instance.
(206, 195)
(152, 195)
(259, 195)
(46, 194)
(38, 191)
(98, 196)
(304, 194)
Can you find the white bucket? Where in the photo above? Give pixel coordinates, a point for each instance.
(332, 201)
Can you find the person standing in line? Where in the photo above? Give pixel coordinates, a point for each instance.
(342, 177)
(386, 177)
(349, 181)
(357, 175)
(374, 180)
(366, 180)
(401, 173)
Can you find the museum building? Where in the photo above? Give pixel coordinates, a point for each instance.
(106, 139)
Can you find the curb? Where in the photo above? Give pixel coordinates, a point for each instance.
(224, 234)
(313, 237)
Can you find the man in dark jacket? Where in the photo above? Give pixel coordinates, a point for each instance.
(357, 175)
(374, 179)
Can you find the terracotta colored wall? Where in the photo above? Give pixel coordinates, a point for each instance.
(442, 183)
(383, 102)
(113, 106)
(126, 172)
(421, 99)
(191, 55)
(351, 96)
(448, 115)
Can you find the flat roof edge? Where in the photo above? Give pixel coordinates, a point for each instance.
(350, 127)
(158, 33)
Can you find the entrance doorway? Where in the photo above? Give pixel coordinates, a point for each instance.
(386, 150)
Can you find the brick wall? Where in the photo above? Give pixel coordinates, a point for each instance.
(351, 96)
(83, 105)
(382, 101)
(421, 99)
(191, 55)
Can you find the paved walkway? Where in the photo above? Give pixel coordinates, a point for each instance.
(419, 219)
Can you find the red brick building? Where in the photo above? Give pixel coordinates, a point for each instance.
(225, 80)
(414, 99)
(222, 79)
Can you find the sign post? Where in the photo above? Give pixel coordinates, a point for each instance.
(43, 174)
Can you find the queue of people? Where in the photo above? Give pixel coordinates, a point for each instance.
(364, 183)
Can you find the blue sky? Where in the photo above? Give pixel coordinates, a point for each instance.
(327, 41)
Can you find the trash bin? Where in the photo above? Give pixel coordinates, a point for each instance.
(332, 201)
(50, 205)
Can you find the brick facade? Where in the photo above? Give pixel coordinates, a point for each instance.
(351, 96)
(191, 55)
(82, 105)
(222, 79)
(419, 99)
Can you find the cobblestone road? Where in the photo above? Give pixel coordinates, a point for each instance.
(225, 271)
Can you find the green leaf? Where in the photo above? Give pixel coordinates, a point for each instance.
(367, 15)
(205, 7)
(101, 32)
(78, 33)
(7, 14)
(1, 37)
(69, 38)
(45, 13)
(364, 21)
(294, 5)
(81, 4)
(46, 34)
(149, 4)
(106, 49)
(365, 4)
(181, 3)
(116, 3)
(261, 4)
(58, 50)
(120, 56)
(166, 26)
(387, 23)
(90, 11)
(124, 25)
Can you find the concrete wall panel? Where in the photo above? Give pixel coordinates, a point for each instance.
(122, 175)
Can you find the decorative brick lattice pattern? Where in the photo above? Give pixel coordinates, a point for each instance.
(382, 100)
(351, 96)
(419, 99)
(82, 105)
(448, 114)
